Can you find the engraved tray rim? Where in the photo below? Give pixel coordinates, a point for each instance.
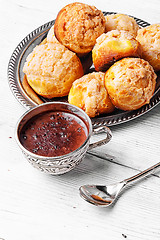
(14, 79)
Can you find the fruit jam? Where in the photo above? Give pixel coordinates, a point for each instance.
(53, 134)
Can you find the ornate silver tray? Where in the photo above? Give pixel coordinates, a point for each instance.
(16, 75)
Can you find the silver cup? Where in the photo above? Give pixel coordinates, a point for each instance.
(60, 164)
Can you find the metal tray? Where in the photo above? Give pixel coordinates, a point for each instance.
(16, 75)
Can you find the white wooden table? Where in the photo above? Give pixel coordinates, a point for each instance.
(34, 205)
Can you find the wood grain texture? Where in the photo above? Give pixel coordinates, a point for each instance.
(34, 205)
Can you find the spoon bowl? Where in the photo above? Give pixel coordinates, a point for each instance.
(104, 196)
(101, 195)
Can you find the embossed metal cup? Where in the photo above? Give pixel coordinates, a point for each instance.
(60, 164)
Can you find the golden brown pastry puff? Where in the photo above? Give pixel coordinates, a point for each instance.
(130, 83)
(149, 38)
(51, 69)
(121, 22)
(78, 25)
(89, 94)
(85, 60)
(113, 46)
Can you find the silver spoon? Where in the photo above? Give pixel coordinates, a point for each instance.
(105, 195)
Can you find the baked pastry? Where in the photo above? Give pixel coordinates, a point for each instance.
(30, 91)
(113, 46)
(121, 22)
(130, 83)
(89, 94)
(51, 69)
(85, 60)
(149, 38)
(78, 25)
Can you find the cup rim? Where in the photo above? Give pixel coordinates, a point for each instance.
(34, 155)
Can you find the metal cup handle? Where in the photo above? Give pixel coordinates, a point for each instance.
(98, 130)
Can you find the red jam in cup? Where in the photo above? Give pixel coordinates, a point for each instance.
(53, 134)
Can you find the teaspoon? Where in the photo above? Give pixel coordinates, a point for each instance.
(105, 195)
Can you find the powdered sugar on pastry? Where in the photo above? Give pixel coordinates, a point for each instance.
(121, 22)
(130, 83)
(89, 93)
(51, 69)
(149, 38)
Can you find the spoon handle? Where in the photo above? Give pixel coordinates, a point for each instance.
(142, 174)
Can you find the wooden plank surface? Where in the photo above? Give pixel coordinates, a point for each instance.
(34, 205)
